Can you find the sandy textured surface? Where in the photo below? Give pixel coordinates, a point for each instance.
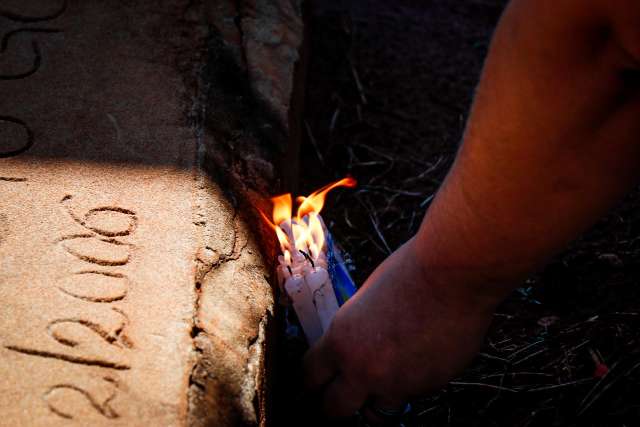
(121, 262)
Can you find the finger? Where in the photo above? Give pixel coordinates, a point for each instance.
(319, 366)
(343, 398)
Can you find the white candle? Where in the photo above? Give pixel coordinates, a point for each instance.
(324, 298)
(321, 262)
(298, 269)
(302, 300)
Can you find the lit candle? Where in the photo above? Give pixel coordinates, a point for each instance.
(302, 300)
(324, 298)
(310, 271)
(287, 228)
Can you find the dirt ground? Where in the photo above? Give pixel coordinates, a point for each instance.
(389, 89)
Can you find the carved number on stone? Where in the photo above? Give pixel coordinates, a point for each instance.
(96, 247)
(95, 286)
(29, 19)
(94, 250)
(82, 333)
(37, 56)
(21, 148)
(37, 59)
(107, 221)
(100, 246)
(89, 361)
(69, 331)
(60, 399)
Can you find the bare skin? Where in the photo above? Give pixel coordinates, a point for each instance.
(552, 142)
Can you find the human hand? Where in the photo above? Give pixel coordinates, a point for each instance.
(402, 335)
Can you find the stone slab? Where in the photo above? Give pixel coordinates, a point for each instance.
(128, 283)
(267, 41)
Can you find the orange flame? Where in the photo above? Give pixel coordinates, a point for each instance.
(315, 201)
(316, 235)
(306, 234)
(282, 208)
(282, 237)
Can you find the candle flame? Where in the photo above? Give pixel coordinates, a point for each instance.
(282, 208)
(305, 232)
(282, 236)
(314, 202)
(316, 234)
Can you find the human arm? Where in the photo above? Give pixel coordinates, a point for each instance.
(553, 140)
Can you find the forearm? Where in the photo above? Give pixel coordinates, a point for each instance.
(552, 142)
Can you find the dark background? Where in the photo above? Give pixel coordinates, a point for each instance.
(390, 85)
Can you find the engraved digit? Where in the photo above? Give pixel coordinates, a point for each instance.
(94, 250)
(27, 19)
(58, 397)
(37, 60)
(107, 221)
(111, 221)
(9, 152)
(74, 332)
(95, 286)
(37, 56)
(69, 332)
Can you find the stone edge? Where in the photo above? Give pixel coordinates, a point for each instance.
(239, 157)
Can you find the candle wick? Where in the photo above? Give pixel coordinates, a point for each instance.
(289, 268)
(306, 255)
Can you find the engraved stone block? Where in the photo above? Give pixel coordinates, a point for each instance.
(132, 292)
